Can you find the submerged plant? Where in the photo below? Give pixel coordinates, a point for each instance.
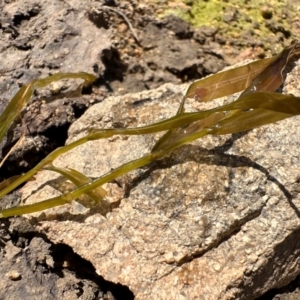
(257, 105)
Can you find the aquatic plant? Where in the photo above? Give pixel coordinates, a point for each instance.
(257, 105)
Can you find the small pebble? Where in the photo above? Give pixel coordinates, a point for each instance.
(266, 12)
(13, 275)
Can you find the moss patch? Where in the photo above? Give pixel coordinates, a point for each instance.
(243, 22)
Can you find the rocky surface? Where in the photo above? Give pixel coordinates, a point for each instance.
(216, 216)
(260, 24)
(34, 268)
(123, 43)
(39, 39)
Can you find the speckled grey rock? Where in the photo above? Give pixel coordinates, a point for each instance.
(48, 37)
(216, 219)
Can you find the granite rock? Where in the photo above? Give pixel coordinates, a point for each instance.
(216, 219)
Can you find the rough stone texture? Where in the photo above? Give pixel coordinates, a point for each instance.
(39, 39)
(48, 37)
(216, 219)
(32, 268)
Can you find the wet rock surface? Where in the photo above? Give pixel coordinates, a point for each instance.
(131, 54)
